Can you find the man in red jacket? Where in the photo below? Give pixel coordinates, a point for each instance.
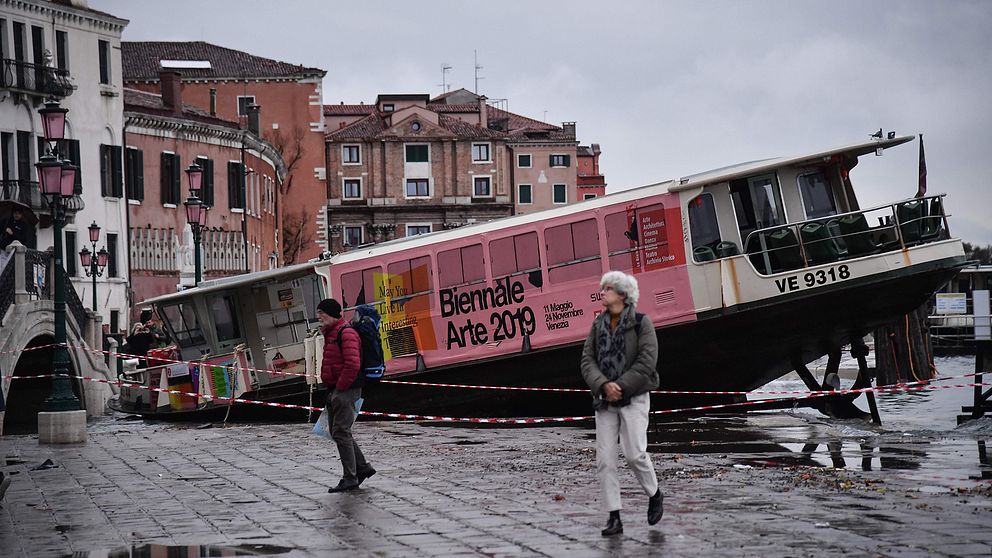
(340, 374)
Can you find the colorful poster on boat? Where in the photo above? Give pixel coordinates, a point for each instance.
(404, 307)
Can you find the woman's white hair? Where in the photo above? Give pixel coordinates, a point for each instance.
(623, 284)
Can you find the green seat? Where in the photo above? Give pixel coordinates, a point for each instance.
(857, 237)
(818, 243)
(703, 254)
(726, 249)
(933, 223)
(783, 250)
(910, 221)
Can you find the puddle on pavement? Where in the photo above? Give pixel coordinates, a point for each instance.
(183, 551)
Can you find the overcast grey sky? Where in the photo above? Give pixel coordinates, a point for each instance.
(666, 88)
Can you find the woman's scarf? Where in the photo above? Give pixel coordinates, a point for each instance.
(611, 345)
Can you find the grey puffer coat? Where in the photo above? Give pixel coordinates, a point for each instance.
(640, 373)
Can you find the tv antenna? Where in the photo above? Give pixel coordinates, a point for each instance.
(477, 68)
(445, 68)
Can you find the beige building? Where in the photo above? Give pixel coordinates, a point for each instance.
(410, 164)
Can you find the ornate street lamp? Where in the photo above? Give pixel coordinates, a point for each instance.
(195, 216)
(56, 179)
(94, 266)
(194, 175)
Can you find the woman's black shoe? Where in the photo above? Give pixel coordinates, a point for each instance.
(613, 526)
(656, 507)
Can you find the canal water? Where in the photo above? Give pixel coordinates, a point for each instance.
(919, 438)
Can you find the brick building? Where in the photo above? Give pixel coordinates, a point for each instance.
(411, 164)
(590, 182)
(226, 82)
(241, 178)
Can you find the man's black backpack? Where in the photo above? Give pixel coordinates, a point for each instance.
(366, 323)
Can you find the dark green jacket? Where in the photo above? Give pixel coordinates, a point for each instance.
(640, 373)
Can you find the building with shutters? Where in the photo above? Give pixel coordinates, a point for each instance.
(227, 83)
(69, 51)
(241, 178)
(412, 164)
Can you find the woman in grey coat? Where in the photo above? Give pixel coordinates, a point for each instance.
(619, 363)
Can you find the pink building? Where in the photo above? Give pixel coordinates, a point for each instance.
(241, 178)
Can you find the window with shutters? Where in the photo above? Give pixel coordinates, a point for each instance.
(559, 160)
(170, 179)
(104, 55)
(111, 171)
(112, 260)
(573, 251)
(559, 194)
(70, 254)
(134, 173)
(235, 185)
(207, 184)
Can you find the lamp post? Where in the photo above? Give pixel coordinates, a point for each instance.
(195, 216)
(94, 265)
(56, 178)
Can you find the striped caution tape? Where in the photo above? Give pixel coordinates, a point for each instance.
(544, 389)
(536, 420)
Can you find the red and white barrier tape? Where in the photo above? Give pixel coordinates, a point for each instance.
(539, 389)
(435, 418)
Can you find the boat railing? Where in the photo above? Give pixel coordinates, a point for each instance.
(847, 236)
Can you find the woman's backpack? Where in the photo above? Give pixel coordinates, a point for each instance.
(366, 322)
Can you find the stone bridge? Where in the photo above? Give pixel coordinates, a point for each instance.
(27, 331)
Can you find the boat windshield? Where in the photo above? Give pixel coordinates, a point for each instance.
(184, 324)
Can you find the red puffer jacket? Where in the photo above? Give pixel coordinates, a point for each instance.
(340, 365)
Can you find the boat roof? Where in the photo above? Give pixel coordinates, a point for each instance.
(689, 182)
(757, 167)
(222, 283)
(685, 183)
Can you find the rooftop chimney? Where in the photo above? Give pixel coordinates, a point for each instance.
(483, 112)
(172, 90)
(253, 116)
(568, 128)
(213, 101)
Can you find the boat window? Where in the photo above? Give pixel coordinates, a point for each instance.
(359, 287)
(411, 277)
(635, 235)
(282, 310)
(704, 228)
(757, 203)
(516, 255)
(185, 326)
(818, 200)
(461, 266)
(225, 318)
(573, 251)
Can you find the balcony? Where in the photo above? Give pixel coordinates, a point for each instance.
(34, 79)
(28, 194)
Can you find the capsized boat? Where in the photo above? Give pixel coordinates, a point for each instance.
(747, 272)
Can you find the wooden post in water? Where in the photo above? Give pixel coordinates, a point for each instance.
(903, 352)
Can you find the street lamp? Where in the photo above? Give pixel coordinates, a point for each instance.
(195, 216)
(194, 174)
(56, 178)
(94, 266)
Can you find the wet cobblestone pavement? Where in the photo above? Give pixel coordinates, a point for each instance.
(767, 485)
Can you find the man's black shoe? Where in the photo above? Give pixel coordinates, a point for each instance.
(613, 526)
(343, 486)
(656, 507)
(362, 475)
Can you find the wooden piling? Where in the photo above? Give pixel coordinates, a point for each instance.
(903, 351)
